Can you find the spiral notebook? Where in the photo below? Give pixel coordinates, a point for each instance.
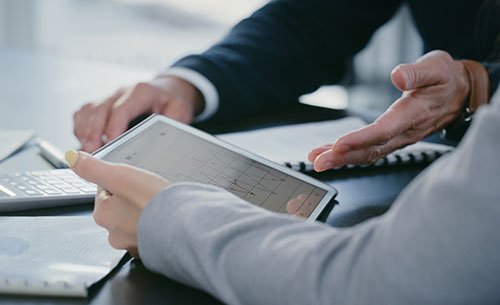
(53, 256)
(290, 144)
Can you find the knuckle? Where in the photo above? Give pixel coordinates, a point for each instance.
(141, 86)
(86, 107)
(119, 111)
(114, 241)
(374, 154)
(385, 133)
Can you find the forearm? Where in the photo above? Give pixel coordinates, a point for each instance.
(438, 244)
(287, 48)
(240, 253)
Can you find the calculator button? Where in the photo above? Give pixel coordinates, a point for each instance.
(32, 182)
(52, 192)
(71, 190)
(79, 184)
(43, 186)
(22, 187)
(61, 185)
(33, 193)
(88, 189)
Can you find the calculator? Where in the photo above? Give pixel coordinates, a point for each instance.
(40, 189)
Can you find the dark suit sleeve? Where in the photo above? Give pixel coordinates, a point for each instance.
(493, 69)
(286, 49)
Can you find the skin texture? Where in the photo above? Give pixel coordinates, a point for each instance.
(435, 89)
(123, 193)
(100, 122)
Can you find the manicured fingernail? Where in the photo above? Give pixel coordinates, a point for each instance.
(342, 148)
(326, 165)
(71, 156)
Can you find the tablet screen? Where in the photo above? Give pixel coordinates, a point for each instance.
(178, 155)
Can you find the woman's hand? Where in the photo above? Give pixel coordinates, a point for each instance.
(435, 90)
(123, 193)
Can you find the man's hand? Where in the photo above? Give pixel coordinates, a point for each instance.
(435, 90)
(96, 123)
(123, 193)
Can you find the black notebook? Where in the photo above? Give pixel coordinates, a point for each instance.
(290, 144)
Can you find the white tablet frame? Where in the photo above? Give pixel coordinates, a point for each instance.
(331, 192)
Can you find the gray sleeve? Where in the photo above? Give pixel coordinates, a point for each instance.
(438, 244)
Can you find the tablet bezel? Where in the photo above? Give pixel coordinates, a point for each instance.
(331, 192)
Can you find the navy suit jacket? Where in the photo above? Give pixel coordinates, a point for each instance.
(291, 47)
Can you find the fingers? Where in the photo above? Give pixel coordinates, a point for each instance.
(89, 125)
(119, 217)
(134, 102)
(316, 151)
(111, 117)
(367, 155)
(128, 182)
(90, 122)
(429, 70)
(404, 116)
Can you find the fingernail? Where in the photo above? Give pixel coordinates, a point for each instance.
(71, 156)
(342, 148)
(326, 165)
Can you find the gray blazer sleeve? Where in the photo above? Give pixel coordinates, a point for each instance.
(438, 244)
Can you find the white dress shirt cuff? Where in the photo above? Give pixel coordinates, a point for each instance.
(207, 89)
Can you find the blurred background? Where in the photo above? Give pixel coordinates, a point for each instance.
(151, 34)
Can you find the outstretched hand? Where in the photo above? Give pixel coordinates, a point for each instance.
(435, 90)
(123, 193)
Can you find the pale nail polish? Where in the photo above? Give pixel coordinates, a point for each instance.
(71, 156)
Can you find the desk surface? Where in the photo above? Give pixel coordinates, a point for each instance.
(40, 92)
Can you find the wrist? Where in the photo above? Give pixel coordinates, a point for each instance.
(479, 84)
(477, 92)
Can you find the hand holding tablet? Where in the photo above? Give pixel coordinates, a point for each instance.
(178, 152)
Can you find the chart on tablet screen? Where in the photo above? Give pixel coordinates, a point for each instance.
(180, 156)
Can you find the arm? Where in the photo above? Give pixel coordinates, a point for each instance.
(437, 244)
(285, 49)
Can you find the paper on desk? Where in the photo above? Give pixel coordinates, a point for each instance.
(12, 140)
(292, 142)
(71, 250)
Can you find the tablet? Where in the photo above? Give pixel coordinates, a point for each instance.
(179, 152)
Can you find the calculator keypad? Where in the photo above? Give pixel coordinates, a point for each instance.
(51, 183)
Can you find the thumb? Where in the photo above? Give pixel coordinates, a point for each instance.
(425, 72)
(128, 182)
